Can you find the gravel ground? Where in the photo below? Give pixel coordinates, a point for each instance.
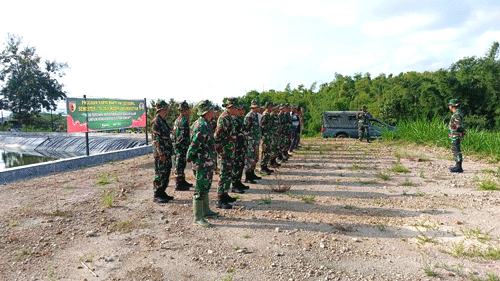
(354, 211)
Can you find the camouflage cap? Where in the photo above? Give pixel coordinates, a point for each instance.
(184, 105)
(161, 104)
(454, 102)
(230, 102)
(254, 104)
(364, 107)
(204, 106)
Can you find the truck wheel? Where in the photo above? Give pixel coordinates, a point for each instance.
(342, 135)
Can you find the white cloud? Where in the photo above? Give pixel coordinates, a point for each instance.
(434, 36)
(353, 63)
(399, 25)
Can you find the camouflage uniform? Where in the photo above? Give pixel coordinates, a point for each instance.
(275, 132)
(266, 125)
(252, 129)
(456, 133)
(162, 148)
(288, 132)
(225, 140)
(180, 137)
(363, 122)
(201, 153)
(239, 153)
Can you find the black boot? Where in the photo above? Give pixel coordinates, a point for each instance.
(237, 188)
(179, 184)
(161, 197)
(266, 170)
(222, 203)
(228, 199)
(242, 186)
(186, 184)
(254, 176)
(457, 168)
(249, 178)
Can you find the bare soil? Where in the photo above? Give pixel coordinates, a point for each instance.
(355, 211)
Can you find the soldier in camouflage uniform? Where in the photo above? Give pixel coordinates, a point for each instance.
(180, 137)
(287, 131)
(225, 143)
(266, 126)
(213, 125)
(275, 136)
(456, 133)
(201, 153)
(162, 153)
(252, 129)
(240, 150)
(363, 122)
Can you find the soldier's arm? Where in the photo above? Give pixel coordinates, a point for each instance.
(196, 140)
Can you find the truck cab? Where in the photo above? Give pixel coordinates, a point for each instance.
(344, 124)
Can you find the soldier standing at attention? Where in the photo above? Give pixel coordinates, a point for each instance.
(363, 122)
(456, 134)
(213, 125)
(240, 150)
(162, 153)
(180, 138)
(295, 129)
(266, 124)
(252, 128)
(201, 153)
(275, 136)
(225, 143)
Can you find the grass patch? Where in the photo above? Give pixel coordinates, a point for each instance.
(349, 207)
(407, 182)
(419, 193)
(308, 199)
(70, 187)
(377, 201)
(458, 250)
(355, 167)
(425, 223)
(398, 168)
(22, 253)
(422, 174)
(488, 184)
(476, 233)
(383, 176)
(422, 238)
(14, 224)
(236, 248)
(126, 226)
(267, 199)
(246, 236)
(381, 227)
(429, 270)
(87, 258)
(108, 197)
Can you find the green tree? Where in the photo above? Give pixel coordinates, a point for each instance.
(28, 88)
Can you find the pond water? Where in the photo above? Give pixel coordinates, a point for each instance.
(11, 159)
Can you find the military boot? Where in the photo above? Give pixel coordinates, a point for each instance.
(254, 176)
(198, 214)
(186, 184)
(226, 198)
(237, 188)
(206, 208)
(249, 178)
(179, 184)
(222, 203)
(266, 171)
(457, 168)
(161, 197)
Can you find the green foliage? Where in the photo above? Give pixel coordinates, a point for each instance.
(30, 84)
(488, 184)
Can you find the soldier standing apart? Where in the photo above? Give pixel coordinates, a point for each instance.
(225, 143)
(363, 122)
(456, 134)
(162, 153)
(240, 150)
(266, 124)
(180, 137)
(252, 128)
(201, 153)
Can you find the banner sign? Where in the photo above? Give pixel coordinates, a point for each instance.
(86, 115)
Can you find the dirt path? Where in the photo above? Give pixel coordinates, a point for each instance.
(350, 215)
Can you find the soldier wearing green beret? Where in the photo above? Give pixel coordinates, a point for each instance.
(180, 138)
(162, 153)
(457, 132)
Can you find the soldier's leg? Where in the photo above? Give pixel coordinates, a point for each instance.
(457, 154)
(225, 176)
(360, 133)
(367, 132)
(160, 183)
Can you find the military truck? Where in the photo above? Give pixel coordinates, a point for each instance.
(344, 124)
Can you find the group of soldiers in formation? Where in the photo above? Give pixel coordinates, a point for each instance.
(229, 136)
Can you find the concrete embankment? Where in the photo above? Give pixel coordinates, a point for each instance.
(70, 143)
(103, 148)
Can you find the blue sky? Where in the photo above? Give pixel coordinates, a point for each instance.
(197, 50)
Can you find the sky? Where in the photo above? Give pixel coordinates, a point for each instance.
(194, 50)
